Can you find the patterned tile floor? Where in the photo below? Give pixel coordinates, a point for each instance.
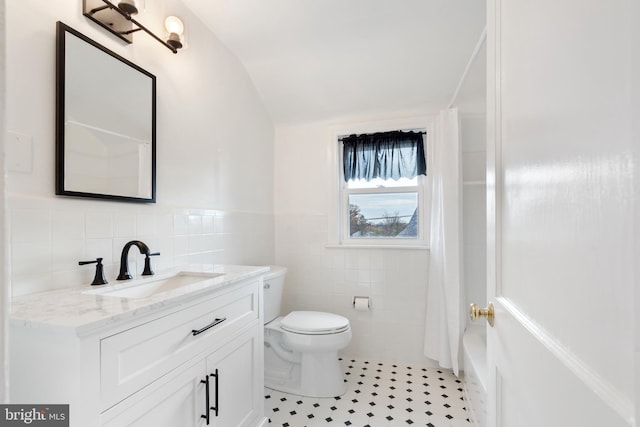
(378, 395)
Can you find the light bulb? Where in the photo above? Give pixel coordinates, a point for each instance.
(173, 24)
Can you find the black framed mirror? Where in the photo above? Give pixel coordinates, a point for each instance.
(105, 122)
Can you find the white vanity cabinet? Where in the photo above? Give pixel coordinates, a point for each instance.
(181, 398)
(160, 368)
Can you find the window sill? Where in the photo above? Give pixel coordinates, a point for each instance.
(352, 246)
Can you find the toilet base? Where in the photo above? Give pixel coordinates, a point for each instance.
(317, 375)
(302, 364)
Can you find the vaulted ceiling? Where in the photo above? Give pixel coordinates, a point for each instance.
(322, 59)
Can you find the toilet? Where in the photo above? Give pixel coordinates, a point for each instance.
(301, 348)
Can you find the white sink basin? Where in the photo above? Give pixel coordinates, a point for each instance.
(149, 286)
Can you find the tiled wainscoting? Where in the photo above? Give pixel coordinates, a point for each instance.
(378, 395)
(49, 237)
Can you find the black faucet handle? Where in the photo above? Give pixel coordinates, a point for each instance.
(147, 264)
(99, 278)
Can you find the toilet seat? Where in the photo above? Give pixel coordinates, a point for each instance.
(314, 323)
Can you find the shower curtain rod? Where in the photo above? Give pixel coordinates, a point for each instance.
(474, 55)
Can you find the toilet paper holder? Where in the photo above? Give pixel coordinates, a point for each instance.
(359, 302)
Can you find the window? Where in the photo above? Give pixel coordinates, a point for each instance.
(382, 188)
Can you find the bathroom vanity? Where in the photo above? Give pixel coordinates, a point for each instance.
(186, 351)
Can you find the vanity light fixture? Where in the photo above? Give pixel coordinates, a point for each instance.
(175, 28)
(118, 19)
(128, 6)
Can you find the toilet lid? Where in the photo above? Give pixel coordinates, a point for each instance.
(314, 322)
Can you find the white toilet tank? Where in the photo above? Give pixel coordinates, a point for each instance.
(273, 285)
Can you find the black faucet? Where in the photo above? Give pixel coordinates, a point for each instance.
(124, 259)
(99, 278)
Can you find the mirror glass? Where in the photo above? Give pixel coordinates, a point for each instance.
(105, 122)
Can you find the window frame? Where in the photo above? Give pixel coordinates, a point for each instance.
(339, 192)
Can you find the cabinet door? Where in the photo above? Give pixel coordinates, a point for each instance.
(176, 400)
(236, 382)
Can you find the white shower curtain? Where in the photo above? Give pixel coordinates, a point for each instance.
(444, 314)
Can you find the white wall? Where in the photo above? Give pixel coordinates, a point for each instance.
(214, 156)
(326, 279)
(4, 263)
(473, 136)
(635, 97)
(471, 102)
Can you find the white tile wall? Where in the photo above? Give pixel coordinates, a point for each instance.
(474, 208)
(49, 237)
(474, 247)
(327, 279)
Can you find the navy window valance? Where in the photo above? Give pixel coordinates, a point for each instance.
(385, 155)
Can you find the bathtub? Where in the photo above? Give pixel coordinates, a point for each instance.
(474, 344)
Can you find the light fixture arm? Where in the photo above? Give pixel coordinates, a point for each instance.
(91, 14)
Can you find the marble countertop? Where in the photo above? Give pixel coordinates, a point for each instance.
(83, 309)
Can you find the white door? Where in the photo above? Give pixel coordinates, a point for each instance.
(560, 213)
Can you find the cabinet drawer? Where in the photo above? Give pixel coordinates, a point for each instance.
(136, 357)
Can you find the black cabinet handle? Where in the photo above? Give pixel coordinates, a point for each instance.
(210, 325)
(206, 398)
(215, 407)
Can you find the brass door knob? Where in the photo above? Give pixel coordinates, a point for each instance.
(476, 313)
